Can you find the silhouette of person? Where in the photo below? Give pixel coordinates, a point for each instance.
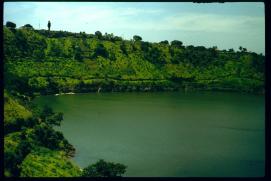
(49, 25)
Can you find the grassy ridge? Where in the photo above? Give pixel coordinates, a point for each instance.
(14, 110)
(55, 162)
(42, 62)
(31, 146)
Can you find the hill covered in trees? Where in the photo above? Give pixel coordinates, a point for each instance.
(38, 61)
(28, 129)
(33, 148)
(41, 62)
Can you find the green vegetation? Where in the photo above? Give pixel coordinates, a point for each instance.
(10, 25)
(48, 62)
(42, 62)
(104, 169)
(33, 148)
(55, 162)
(15, 114)
(13, 154)
(26, 131)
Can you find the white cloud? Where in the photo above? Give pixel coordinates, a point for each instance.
(92, 16)
(201, 22)
(106, 17)
(212, 22)
(149, 22)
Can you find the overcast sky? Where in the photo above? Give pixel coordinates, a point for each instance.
(225, 25)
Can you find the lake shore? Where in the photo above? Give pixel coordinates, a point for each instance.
(153, 121)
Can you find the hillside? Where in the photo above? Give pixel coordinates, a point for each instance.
(45, 62)
(13, 111)
(30, 140)
(33, 148)
(41, 62)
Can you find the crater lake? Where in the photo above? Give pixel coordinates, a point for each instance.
(166, 134)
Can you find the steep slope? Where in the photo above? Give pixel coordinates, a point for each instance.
(15, 114)
(43, 162)
(42, 62)
(31, 140)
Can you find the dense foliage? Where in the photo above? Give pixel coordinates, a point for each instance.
(33, 148)
(42, 62)
(10, 24)
(42, 162)
(27, 129)
(104, 169)
(15, 114)
(38, 61)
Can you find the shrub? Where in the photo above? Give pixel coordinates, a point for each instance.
(11, 25)
(104, 169)
(137, 38)
(28, 26)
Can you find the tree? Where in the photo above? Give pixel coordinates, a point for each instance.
(55, 119)
(165, 42)
(231, 50)
(177, 55)
(191, 47)
(177, 44)
(145, 46)
(38, 83)
(46, 111)
(123, 48)
(137, 38)
(22, 43)
(83, 34)
(38, 54)
(104, 169)
(214, 48)
(100, 50)
(98, 34)
(69, 48)
(10, 25)
(117, 38)
(155, 56)
(28, 26)
(54, 48)
(10, 48)
(78, 53)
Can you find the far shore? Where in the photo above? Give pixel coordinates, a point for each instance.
(64, 93)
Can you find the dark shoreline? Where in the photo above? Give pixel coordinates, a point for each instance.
(146, 89)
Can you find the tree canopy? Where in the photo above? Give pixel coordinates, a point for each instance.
(38, 63)
(104, 169)
(137, 38)
(82, 62)
(28, 26)
(10, 24)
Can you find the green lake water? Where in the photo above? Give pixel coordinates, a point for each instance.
(166, 134)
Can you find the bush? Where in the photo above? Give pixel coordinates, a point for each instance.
(165, 42)
(137, 38)
(42, 162)
(104, 169)
(98, 34)
(28, 26)
(177, 44)
(100, 50)
(11, 25)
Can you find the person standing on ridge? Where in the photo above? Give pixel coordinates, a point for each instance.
(49, 25)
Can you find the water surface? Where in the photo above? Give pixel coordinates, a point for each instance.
(166, 134)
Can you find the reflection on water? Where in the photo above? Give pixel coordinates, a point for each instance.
(167, 134)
